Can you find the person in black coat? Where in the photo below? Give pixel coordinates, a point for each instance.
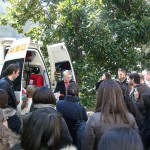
(6, 83)
(71, 110)
(145, 131)
(44, 102)
(62, 85)
(122, 77)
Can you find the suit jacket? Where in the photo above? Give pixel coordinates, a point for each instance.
(60, 87)
(124, 83)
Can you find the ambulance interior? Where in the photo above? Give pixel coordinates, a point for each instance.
(33, 63)
(60, 67)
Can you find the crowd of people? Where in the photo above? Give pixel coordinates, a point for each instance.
(121, 119)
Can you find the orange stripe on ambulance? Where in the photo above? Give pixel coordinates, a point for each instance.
(17, 48)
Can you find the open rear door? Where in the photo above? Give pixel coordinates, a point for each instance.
(16, 54)
(59, 60)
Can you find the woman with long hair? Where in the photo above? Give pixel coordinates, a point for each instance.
(138, 97)
(46, 116)
(110, 111)
(44, 128)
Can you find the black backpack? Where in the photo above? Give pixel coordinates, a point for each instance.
(80, 128)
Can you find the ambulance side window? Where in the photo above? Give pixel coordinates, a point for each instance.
(60, 67)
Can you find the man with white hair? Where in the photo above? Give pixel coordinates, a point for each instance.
(146, 74)
(62, 85)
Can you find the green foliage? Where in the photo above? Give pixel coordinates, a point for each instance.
(101, 35)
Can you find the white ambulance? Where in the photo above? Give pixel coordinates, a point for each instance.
(28, 56)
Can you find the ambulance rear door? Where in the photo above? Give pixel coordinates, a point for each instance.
(16, 54)
(60, 61)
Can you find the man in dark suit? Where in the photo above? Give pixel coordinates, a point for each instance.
(62, 85)
(122, 76)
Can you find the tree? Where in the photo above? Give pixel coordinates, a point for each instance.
(100, 35)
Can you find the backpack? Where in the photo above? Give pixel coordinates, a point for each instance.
(36, 79)
(80, 132)
(80, 128)
(145, 131)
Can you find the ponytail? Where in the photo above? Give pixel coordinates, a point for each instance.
(4, 73)
(10, 69)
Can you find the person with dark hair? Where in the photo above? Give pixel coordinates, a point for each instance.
(145, 132)
(110, 111)
(44, 128)
(6, 83)
(62, 85)
(35, 77)
(13, 120)
(71, 110)
(138, 96)
(132, 108)
(133, 98)
(122, 137)
(44, 100)
(7, 137)
(122, 79)
(105, 76)
(134, 81)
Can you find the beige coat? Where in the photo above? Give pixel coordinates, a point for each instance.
(95, 128)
